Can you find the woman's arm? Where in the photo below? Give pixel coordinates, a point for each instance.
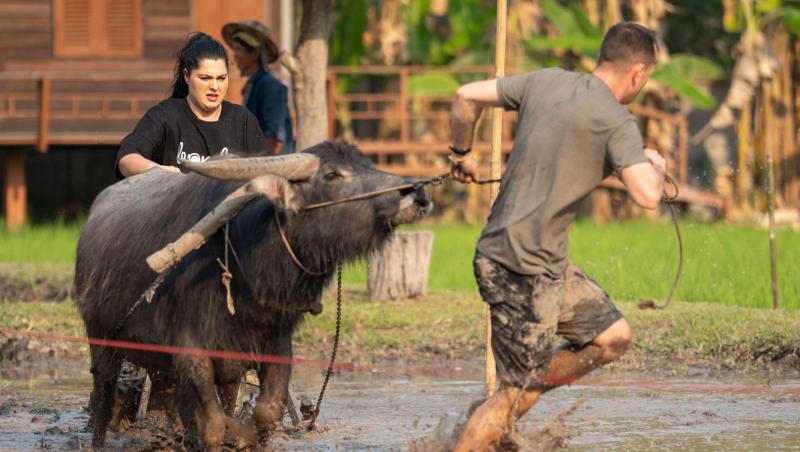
(131, 164)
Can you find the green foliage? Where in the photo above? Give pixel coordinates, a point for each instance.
(577, 35)
(791, 17)
(442, 40)
(432, 84)
(347, 34)
(693, 67)
(680, 72)
(575, 32)
(577, 44)
(766, 6)
(684, 88)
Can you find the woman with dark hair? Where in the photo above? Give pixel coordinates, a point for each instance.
(264, 95)
(196, 122)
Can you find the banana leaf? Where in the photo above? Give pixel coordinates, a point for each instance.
(690, 92)
(693, 67)
(432, 84)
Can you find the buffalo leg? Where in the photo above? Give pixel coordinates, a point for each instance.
(105, 370)
(208, 414)
(231, 399)
(274, 386)
(229, 378)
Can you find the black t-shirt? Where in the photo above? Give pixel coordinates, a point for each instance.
(170, 130)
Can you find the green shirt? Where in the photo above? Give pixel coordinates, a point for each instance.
(571, 133)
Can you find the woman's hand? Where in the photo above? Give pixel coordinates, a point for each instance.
(171, 169)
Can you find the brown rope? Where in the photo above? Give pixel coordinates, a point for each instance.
(359, 196)
(670, 200)
(289, 248)
(435, 180)
(227, 276)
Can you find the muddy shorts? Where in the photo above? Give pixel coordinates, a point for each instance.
(528, 311)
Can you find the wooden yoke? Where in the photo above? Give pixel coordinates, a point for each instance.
(275, 188)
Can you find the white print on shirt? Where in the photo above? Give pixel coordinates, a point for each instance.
(194, 157)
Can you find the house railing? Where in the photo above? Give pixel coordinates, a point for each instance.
(391, 113)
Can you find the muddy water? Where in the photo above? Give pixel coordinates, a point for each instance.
(380, 412)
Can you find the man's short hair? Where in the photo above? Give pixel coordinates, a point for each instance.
(627, 43)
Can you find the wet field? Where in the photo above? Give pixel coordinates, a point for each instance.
(364, 411)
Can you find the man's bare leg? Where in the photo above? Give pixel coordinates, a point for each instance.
(498, 413)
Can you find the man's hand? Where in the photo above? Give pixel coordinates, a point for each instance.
(656, 159)
(464, 169)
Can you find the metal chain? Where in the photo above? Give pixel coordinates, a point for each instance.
(313, 424)
(147, 295)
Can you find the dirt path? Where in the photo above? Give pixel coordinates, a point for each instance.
(381, 412)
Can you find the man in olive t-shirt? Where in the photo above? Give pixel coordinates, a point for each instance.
(573, 131)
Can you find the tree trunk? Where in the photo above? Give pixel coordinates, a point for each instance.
(400, 269)
(312, 53)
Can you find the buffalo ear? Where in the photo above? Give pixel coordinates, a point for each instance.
(283, 195)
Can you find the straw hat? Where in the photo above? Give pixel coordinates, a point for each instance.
(256, 30)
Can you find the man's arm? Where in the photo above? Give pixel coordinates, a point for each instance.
(645, 181)
(470, 101)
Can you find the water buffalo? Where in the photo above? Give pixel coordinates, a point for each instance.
(139, 215)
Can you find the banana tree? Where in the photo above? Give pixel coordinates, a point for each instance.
(760, 97)
(577, 41)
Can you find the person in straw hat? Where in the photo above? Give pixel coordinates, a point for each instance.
(264, 94)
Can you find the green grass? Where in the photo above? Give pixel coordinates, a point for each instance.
(53, 242)
(727, 264)
(450, 325)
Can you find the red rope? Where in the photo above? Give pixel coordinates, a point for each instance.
(224, 354)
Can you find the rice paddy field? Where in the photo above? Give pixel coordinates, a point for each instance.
(724, 263)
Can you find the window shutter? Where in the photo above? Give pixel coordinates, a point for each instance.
(97, 27)
(123, 25)
(73, 26)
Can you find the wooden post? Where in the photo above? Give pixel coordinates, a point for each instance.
(743, 172)
(332, 87)
(44, 115)
(16, 196)
(497, 141)
(400, 269)
(404, 125)
(683, 151)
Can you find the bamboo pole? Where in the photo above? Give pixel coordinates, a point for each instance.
(497, 140)
(743, 174)
(769, 145)
(773, 265)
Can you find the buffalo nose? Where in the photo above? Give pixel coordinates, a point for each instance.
(421, 197)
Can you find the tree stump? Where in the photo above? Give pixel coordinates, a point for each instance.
(400, 269)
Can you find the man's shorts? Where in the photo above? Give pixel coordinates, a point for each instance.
(528, 311)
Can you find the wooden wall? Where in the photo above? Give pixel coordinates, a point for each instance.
(26, 31)
(27, 39)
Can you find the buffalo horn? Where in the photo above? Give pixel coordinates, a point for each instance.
(292, 167)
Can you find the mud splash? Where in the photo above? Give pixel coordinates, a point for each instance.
(380, 412)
